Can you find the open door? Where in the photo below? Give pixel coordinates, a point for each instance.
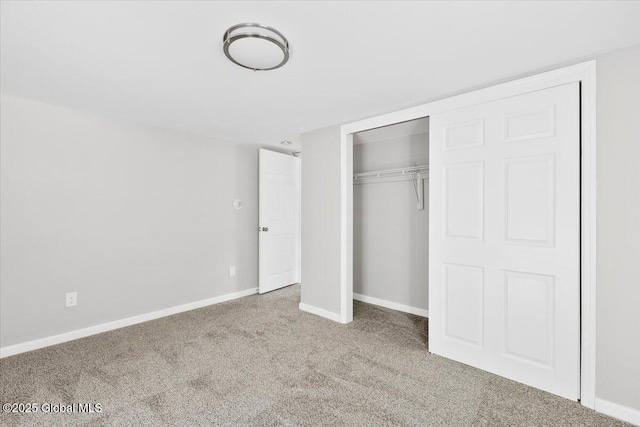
(504, 249)
(279, 220)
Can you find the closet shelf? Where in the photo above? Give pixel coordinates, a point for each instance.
(407, 172)
(417, 174)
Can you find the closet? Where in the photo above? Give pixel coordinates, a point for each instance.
(391, 216)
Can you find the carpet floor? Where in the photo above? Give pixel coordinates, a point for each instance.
(260, 361)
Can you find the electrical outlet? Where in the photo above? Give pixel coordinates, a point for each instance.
(72, 299)
(232, 270)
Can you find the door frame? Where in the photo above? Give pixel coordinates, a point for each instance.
(583, 73)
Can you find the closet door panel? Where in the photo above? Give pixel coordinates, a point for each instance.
(504, 246)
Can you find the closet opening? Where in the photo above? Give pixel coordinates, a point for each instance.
(391, 220)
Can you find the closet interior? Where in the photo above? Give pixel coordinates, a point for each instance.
(391, 216)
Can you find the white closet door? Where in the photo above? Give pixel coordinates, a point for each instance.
(279, 220)
(504, 250)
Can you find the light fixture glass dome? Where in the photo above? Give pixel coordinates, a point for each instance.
(256, 47)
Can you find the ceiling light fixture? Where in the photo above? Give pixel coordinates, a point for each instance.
(256, 47)
(285, 142)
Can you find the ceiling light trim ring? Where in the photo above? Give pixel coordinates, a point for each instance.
(228, 39)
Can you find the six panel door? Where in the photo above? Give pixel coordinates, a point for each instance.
(504, 250)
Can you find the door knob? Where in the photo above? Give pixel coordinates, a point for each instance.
(263, 228)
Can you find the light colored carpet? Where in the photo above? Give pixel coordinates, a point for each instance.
(260, 361)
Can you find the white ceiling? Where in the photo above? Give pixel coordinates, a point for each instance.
(161, 63)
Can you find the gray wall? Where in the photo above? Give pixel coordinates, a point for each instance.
(618, 225)
(133, 218)
(391, 153)
(321, 219)
(390, 236)
(618, 228)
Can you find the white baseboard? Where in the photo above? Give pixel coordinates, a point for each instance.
(320, 312)
(391, 305)
(620, 412)
(116, 324)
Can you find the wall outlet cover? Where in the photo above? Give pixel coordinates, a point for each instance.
(72, 299)
(232, 270)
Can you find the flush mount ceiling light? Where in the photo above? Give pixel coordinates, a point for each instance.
(256, 47)
(285, 142)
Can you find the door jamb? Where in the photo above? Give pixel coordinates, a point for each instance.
(585, 74)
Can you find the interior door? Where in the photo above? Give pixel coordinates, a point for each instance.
(279, 220)
(504, 250)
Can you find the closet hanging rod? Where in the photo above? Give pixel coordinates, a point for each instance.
(391, 172)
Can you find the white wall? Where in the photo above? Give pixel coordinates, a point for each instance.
(618, 225)
(390, 236)
(618, 228)
(133, 218)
